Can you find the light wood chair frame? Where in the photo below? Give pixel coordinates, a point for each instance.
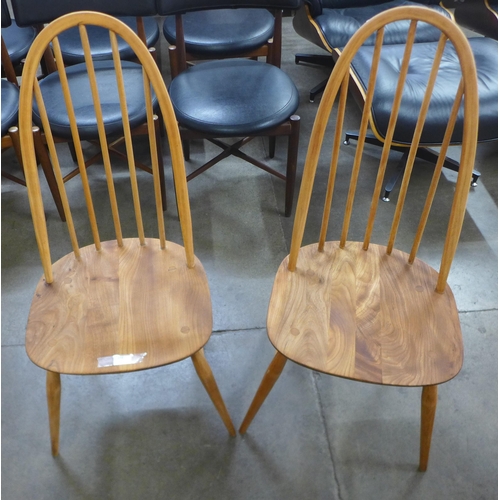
(295, 265)
(159, 249)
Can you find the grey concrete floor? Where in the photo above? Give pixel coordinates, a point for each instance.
(155, 434)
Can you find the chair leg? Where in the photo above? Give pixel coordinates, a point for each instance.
(429, 403)
(393, 180)
(291, 165)
(54, 404)
(272, 146)
(272, 374)
(207, 379)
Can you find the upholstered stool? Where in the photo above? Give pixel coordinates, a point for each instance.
(243, 98)
(208, 97)
(485, 52)
(223, 32)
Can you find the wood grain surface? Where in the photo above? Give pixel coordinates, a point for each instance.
(119, 301)
(365, 315)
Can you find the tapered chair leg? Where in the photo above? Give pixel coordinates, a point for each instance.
(272, 374)
(54, 405)
(207, 379)
(429, 403)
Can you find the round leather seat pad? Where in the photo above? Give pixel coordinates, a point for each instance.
(339, 25)
(100, 45)
(485, 52)
(83, 103)
(18, 41)
(10, 105)
(233, 97)
(222, 31)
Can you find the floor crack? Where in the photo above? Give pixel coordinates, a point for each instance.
(316, 377)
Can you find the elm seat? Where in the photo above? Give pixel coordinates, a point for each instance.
(225, 101)
(18, 41)
(83, 103)
(72, 50)
(223, 32)
(10, 105)
(485, 52)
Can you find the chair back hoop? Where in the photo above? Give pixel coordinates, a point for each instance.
(467, 97)
(152, 82)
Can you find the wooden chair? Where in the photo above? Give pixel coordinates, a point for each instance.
(365, 311)
(234, 98)
(126, 304)
(40, 12)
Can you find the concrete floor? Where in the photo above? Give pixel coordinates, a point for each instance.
(155, 434)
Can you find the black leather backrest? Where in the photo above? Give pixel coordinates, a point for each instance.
(29, 12)
(6, 21)
(169, 7)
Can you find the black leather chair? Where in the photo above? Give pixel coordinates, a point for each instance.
(231, 98)
(329, 24)
(485, 52)
(223, 33)
(18, 40)
(36, 12)
(480, 16)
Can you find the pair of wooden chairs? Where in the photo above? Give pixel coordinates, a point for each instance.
(358, 310)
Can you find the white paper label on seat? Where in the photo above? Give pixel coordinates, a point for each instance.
(120, 359)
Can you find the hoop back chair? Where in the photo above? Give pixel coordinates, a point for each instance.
(36, 12)
(130, 303)
(364, 311)
(234, 98)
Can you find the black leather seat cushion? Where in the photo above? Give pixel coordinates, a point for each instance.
(100, 45)
(18, 41)
(83, 103)
(10, 105)
(339, 25)
(486, 56)
(233, 97)
(223, 31)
